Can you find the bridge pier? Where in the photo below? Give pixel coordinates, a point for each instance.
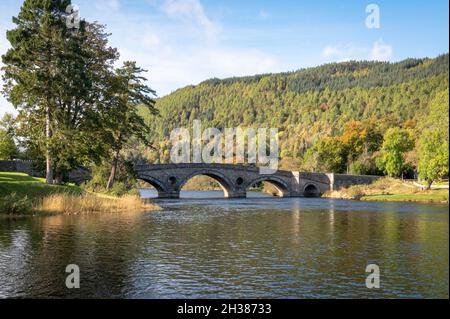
(236, 194)
(169, 195)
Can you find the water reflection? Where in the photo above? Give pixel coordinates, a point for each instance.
(216, 194)
(258, 247)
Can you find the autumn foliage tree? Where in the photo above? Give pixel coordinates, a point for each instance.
(397, 141)
(327, 155)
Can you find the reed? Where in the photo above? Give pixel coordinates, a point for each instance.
(74, 204)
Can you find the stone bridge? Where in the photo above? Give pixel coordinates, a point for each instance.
(236, 180)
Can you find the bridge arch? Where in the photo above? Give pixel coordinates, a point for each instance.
(280, 185)
(224, 182)
(158, 185)
(311, 190)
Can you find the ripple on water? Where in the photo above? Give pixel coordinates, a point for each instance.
(259, 247)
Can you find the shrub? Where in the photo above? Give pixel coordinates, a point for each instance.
(365, 165)
(118, 189)
(356, 192)
(14, 204)
(125, 181)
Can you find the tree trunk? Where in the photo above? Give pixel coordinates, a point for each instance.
(48, 157)
(58, 179)
(112, 176)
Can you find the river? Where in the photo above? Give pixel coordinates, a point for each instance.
(204, 246)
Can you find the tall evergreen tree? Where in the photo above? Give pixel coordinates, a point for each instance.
(122, 120)
(32, 69)
(55, 75)
(82, 98)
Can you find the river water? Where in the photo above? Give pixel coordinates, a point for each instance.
(218, 248)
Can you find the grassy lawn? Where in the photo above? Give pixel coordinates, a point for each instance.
(390, 189)
(433, 196)
(443, 183)
(25, 185)
(21, 194)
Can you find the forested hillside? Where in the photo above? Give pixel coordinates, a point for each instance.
(339, 101)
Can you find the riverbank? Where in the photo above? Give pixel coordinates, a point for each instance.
(21, 194)
(393, 190)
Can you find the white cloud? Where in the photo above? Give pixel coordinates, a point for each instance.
(342, 52)
(171, 68)
(331, 52)
(346, 52)
(190, 11)
(107, 5)
(381, 51)
(185, 49)
(151, 40)
(176, 54)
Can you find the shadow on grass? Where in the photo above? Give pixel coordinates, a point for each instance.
(18, 177)
(25, 185)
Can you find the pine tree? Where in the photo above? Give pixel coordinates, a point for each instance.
(122, 119)
(55, 76)
(31, 70)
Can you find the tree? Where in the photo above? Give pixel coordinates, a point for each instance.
(360, 138)
(54, 75)
(32, 68)
(353, 136)
(438, 117)
(387, 95)
(9, 124)
(122, 120)
(327, 155)
(433, 146)
(396, 143)
(79, 106)
(433, 156)
(8, 149)
(8, 132)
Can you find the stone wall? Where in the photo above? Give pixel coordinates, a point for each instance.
(77, 176)
(338, 181)
(7, 166)
(19, 167)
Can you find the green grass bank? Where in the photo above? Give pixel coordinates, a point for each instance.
(391, 190)
(21, 194)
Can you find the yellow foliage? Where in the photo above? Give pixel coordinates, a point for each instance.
(73, 204)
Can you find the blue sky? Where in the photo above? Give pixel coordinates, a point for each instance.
(184, 42)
